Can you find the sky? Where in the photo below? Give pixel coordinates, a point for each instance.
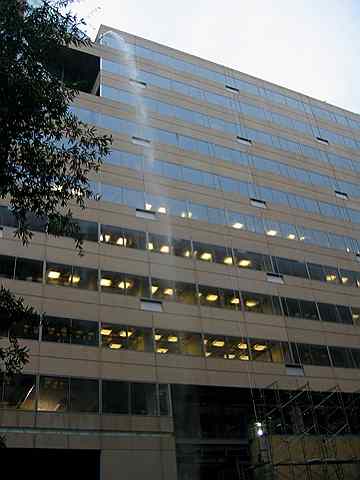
(311, 46)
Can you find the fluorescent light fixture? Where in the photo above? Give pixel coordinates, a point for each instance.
(244, 262)
(124, 285)
(165, 249)
(157, 337)
(228, 260)
(105, 282)
(54, 275)
(207, 354)
(271, 233)
(74, 279)
(154, 289)
(218, 343)
(150, 246)
(162, 350)
(242, 346)
(238, 225)
(251, 303)
(169, 291)
(115, 346)
(212, 297)
(331, 277)
(206, 256)
(162, 210)
(122, 241)
(148, 206)
(230, 356)
(259, 347)
(187, 253)
(291, 236)
(173, 339)
(244, 357)
(235, 301)
(105, 331)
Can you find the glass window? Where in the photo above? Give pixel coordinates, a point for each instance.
(84, 395)
(191, 343)
(291, 307)
(260, 350)
(210, 296)
(341, 357)
(316, 272)
(84, 332)
(215, 346)
(212, 253)
(163, 289)
(348, 277)
(181, 248)
(27, 329)
(115, 397)
(140, 339)
(186, 293)
(7, 266)
(328, 312)
(143, 399)
(313, 354)
(66, 275)
(253, 261)
(53, 394)
(164, 400)
(114, 336)
(261, 303)
(124, 283)
(237, 348)
(56, 329)
(291, 267)
(167, 341)
(18, 392)
(7, 219)
(344, 314)
(88, 230)
(159, 244)
(355, 313)
(308, 310)
(123, 237)
(331, 275)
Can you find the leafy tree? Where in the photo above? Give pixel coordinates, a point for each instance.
(46, 152)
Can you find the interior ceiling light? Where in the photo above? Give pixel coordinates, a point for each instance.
(124, 285)
(162, 210)
(187, 253)
(259, 347)
(206, 256)
(331, 277)
(148, 206)
(291, 236)
(228, 260)
(230, 356)
(54, 275)
(244, 262)
(169, 291)
(122, 241)
(105, 331)
(173, 339)
(162, 350)
(165, 249)
(157, 336)
(212, 297)
(242, 346)
(105, 282)
(244, 357)
(150, 246)
(271, 233)
(115, 346)
(251, 303)
(218, 343)
(207, 354)
(74, 279)
(238, 225)
(235, 301)
(344, 279)
(154, 289)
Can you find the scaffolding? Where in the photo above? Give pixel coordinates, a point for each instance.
(303, 434)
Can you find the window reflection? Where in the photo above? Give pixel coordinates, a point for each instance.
(18, 393)
(29, 270)
(53, 394)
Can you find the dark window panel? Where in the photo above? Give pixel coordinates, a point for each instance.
(186, 293)
(341, 357)
(164, 400)
(29, 270)
(316, 272)
(253, 261)
(18, 393)
(53, 394)
(181, 248)
(261, 303)
(344, 314)
(84, 332)
(84, 395)
(328, 312)
(56, 329)
(115, 397)
(143, 399)
(7, 266)
(291, 267)
(140, 339)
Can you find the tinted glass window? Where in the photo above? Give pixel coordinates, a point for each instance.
(115, 397)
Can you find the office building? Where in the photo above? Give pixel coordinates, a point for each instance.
(211, 330)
